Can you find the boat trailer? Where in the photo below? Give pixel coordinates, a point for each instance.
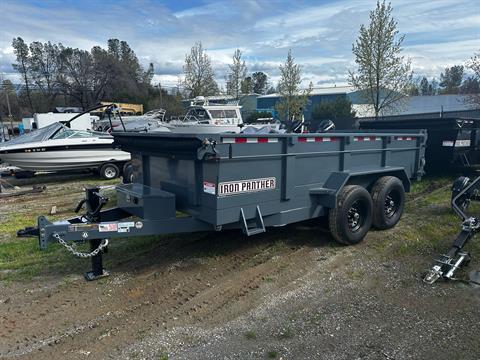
(464, 191)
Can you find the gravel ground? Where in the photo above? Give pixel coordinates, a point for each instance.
(291, 293)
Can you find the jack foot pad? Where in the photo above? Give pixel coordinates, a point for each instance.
(90, 276)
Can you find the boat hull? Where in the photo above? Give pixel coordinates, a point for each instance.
(189, 128)
(58, 160)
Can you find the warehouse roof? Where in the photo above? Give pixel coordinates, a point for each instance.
(332, 90)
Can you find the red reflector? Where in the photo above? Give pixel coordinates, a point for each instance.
(302, 139)
(317, 139)
(240, 140)
(262, 140)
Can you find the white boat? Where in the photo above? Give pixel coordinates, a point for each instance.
(57, 147)
(145, 122)
(203, 117)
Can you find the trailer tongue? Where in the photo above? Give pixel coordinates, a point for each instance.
(464, 191)
(209, 182)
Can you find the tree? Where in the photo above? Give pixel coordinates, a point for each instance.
(20, 49)
(424, 87)
(259, 82)
(77, 76)
(451, 80)
(474, 65)
(9, 102)
(383, 75)
(293, 100)
(247, 85)
(43, 69)
(340, 108)
(160, 98)
(271, 90)
(199, 75)
(340, 111)
(470, 85)
(236, 75)
(83, 77)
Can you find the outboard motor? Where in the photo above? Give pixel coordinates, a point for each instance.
(326, 126)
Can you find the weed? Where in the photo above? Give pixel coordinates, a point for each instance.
(250, 335)
(286, 333)
(272, 354)
(163, 356)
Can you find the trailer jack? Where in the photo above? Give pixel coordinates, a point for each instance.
(93, 203)
(463, 192)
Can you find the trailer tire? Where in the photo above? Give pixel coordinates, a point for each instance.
(351, 219)
(127, 173)
(109, 171)
(388, 195)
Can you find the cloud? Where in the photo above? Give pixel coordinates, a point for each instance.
(438, 33)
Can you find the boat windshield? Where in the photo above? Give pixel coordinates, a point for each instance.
(197, 114)
(37, 135)
(66, 133)
(223, 114)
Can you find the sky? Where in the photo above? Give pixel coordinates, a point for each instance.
(438, 33)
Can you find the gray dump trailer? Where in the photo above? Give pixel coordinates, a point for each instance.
(210, 182)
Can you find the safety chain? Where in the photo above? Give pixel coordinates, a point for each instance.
(74, 251)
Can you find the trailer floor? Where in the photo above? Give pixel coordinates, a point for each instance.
(291, 293)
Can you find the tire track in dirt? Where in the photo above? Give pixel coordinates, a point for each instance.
(182, 287)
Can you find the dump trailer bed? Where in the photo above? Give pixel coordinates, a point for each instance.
(210, 182)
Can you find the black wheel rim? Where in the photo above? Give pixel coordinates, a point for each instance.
(392, 204)
(356, 216)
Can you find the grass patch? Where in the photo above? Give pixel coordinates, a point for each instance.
(250, 335)
(286, 333)
(272, 354)
(428, 225)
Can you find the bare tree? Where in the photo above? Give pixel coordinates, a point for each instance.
(199, 75)
(474, 65)
(383, 75)
(293, 100)
(236, 75)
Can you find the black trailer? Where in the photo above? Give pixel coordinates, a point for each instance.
(210, 182)
(453, 143)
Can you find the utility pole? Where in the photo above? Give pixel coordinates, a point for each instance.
(4, 86)
(161, 100)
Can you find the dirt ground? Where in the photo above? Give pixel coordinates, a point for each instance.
(291, 293)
